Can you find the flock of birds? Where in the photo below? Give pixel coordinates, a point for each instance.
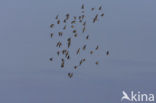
(71, 22)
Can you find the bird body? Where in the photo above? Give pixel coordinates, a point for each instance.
(70, 75)
(107, 53)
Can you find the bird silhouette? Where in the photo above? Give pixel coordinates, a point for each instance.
(96, 62)
(57, 16)
(60, 33)
(51, 59)
(51, 35)
(75, 35)
(87, 37)
(70, 75)
(64, 27)
(75, 67)
(83, 29)
(97, 47)
(82, 6)
(91, 52)
(72, 26)
(100, 7)
(58, 22)
(92, 9)
(95, 18)
(58, 53)
(69, 42)
(84, 47)
(78, 51)
(107, 53)
(102, 14)
(52, 25)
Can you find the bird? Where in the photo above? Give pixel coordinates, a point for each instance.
(84, 23)
(70, 75)
(58, 53)
(60, 33)
(75, 35)
(57, 16)
(100, 7)
(78, 51)
(64, 27)
(62, 60)
(107, 53)
(51, 35)
(96, 62)
(51, 25)
(68, 57)
(58, 22)
(73, 22)
(84, 47)
(72, 26)
(83, 29)
(67, 16)
(87, 37)
(82, 6)
(51, 59)
(62, 64)
(95, 18)
(81, 62)
(97, 47)
(75, 67)
(102, 14)
(83, 59)
(92, 9)
(69, 42)
(74, 31)
(64, 20)
(91, 52)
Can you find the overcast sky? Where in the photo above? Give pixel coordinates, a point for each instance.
(128, 31)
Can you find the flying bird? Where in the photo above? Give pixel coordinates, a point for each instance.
(107, 53)
(75, 35)
(97, 47)
(95, 18)
(78, 51)
(102, 14)
(51, 25)
(51, 35)
(69, 42)
(58, 22)
(87, 37)
(92, 9)
(84, 47)
(64, 27)
(58, 53)
(82, 6)
(60, 33)
(83, 29)
(100, 7)
(91, 52)
(57, 16)
(51, 59)
(70, 75)
(96, 62)
(75, 67)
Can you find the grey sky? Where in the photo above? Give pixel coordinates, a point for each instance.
(27, 76)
